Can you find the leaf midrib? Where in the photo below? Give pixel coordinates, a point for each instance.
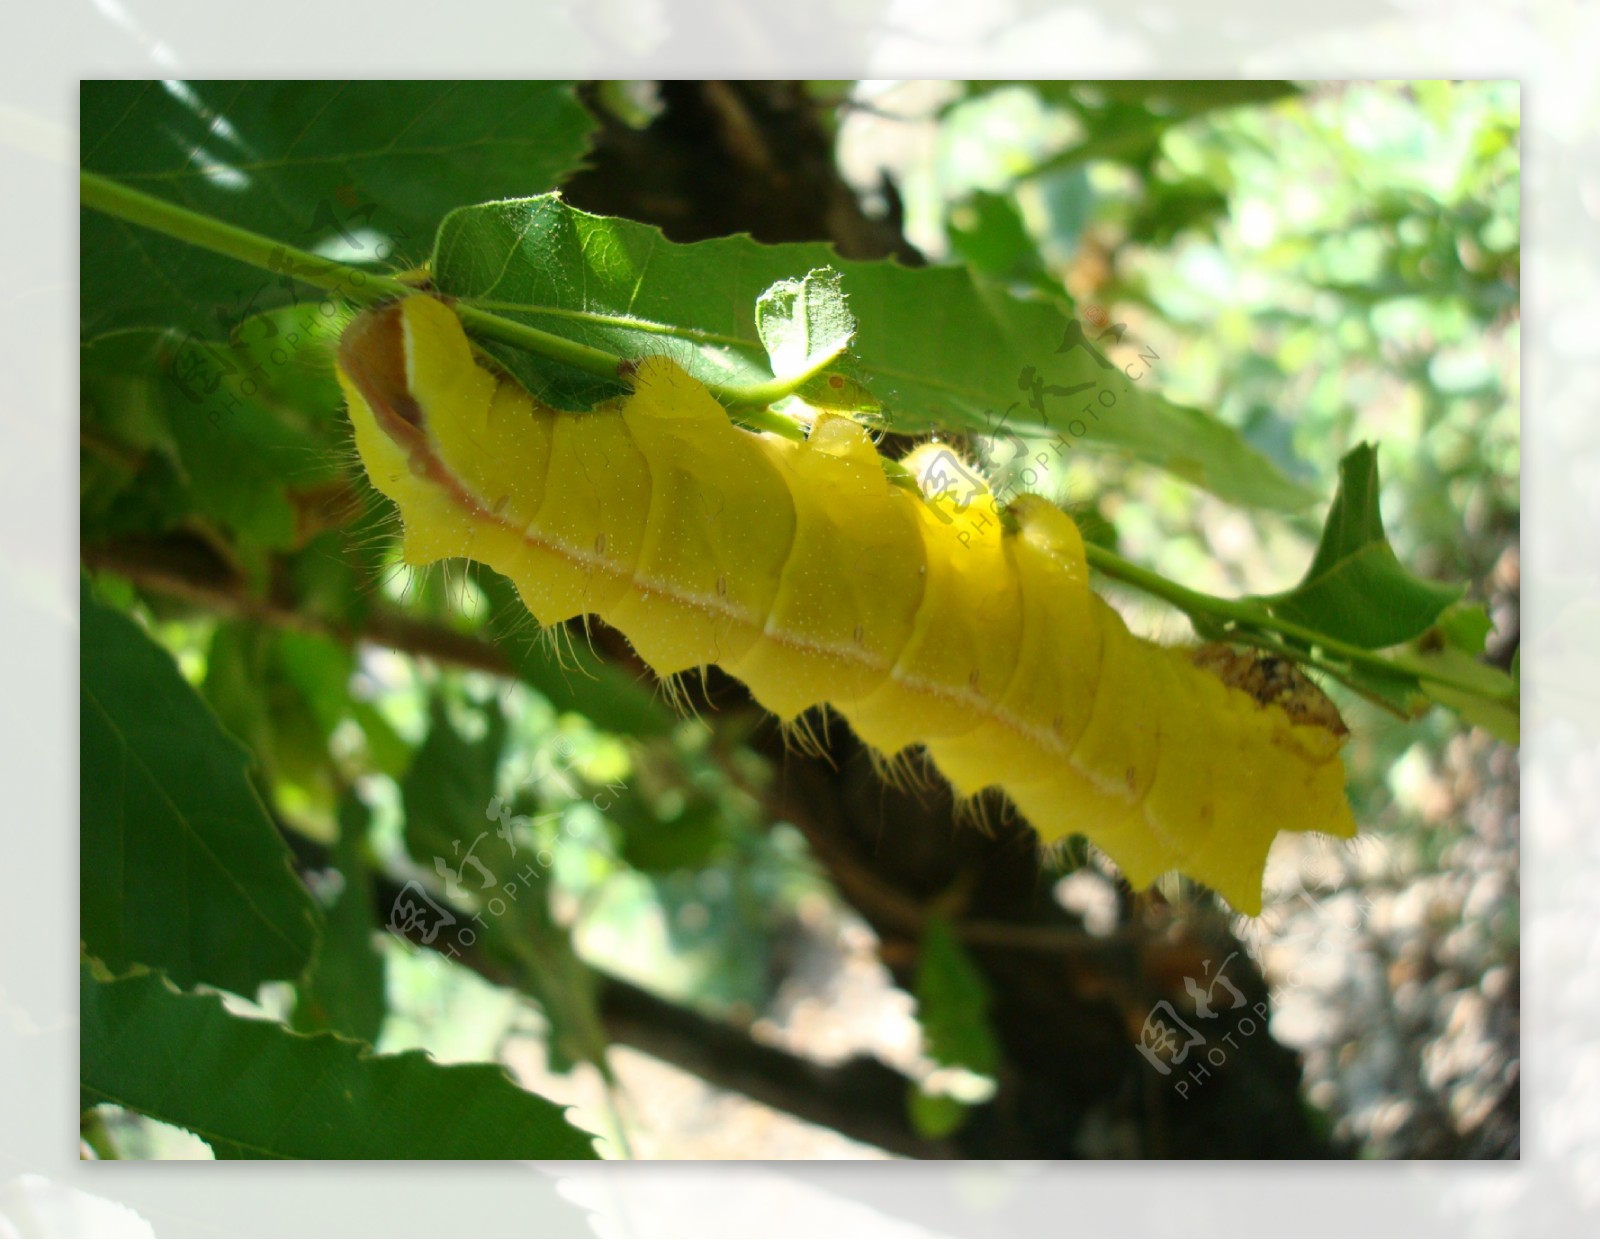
(186, 825)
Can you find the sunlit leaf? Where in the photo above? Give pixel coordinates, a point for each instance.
(1356, 589)
(939, 347)
(804, 323)
(358, 171)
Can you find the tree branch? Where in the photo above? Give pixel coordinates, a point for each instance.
(861, 1098)
(188, 570)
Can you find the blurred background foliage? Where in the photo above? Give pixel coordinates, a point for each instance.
(1314, 264)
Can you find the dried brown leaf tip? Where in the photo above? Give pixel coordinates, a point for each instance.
(1272, 681)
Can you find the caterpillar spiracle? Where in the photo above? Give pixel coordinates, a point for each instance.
(805, 571)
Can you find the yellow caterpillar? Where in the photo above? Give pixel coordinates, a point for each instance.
(803, 570)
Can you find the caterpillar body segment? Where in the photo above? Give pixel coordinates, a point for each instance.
(718, 527)
(852, 586)
(803, 570)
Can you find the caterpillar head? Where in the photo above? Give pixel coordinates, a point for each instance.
(412, 389)
(372, 355)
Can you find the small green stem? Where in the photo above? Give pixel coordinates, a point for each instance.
(760, 418)
(1195, 604)
(773, 390)
(1190, 602)
(188, 226)
(582, 357)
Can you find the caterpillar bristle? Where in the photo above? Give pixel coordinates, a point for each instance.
(587, 622)
(510, 621)
(409, 577)
(910, 771)
(693, 701)
(970, 812)
(985, 810)
(547, 640)
(676, 694)
(457, 575)
(562, 648)
(807, 735)
(1065, 855)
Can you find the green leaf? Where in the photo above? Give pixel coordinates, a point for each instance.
(839, 393)
(804, 324)
(360, 172)
(386, 748)
(282, 693)
(938, 347)
(344, 988)
(953, 1004)
(1465, 627)
(448, 789)
(232, 458)
(1389, 685)
(1169, 208)
(988, 233)
(1443, 666)
(1448, 664)
(1356, 589)
(1495, 706)
(319, 670)
(182, 868)
(654, 844)
(236, 688)
(550, 969)
(254, 1089)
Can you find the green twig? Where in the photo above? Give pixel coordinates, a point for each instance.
(747, 403)
(1198, 606)
(158, 215)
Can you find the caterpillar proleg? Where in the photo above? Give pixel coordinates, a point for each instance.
(803, 570)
